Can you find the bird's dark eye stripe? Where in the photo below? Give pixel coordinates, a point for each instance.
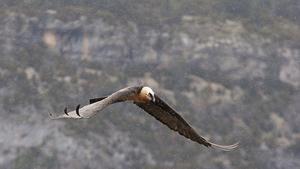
(152, 96)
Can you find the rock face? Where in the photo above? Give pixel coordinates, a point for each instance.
(231, 84)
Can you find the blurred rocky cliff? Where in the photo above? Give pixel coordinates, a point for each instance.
(230, 83)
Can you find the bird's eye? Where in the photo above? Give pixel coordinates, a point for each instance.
(152, 97)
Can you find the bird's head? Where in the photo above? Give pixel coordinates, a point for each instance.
(147, 93)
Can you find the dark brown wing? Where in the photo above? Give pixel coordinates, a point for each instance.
(165, 114)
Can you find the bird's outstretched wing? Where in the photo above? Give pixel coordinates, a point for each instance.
(97, 99)
(165, 114)
(97, 105)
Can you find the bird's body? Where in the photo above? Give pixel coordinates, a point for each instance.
(144, 98)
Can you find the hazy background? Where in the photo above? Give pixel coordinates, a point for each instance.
(230, 67)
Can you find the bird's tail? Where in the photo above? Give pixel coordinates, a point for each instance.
(225, 147)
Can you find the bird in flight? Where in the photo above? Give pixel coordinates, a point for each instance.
(144, 97)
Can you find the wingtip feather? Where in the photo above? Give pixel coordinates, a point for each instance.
(225, 147)
(53, 117)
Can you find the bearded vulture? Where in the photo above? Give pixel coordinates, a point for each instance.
(144, 97)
